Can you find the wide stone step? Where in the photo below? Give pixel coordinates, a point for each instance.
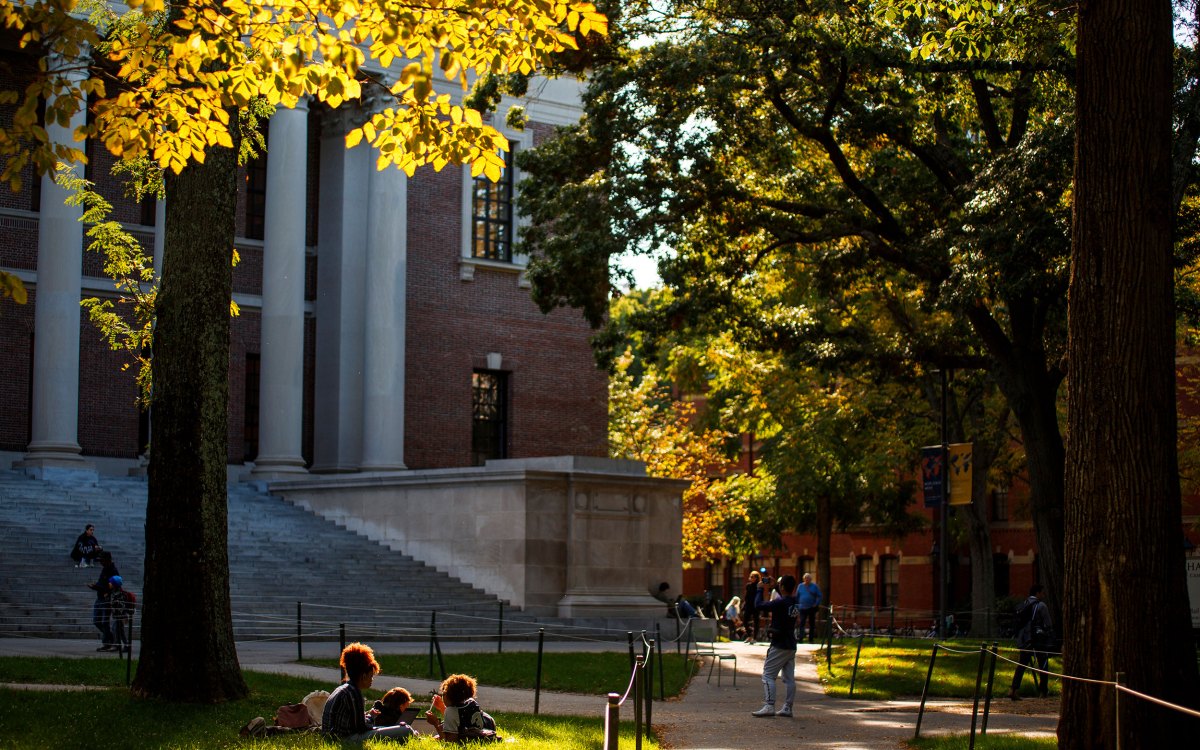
(42, 593)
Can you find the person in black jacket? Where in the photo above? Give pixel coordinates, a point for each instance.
(749, 612)
(1034, 641)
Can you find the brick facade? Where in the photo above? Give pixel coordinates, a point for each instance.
(557, 396)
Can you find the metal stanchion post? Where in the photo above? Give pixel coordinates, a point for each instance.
(925, 691)
(987, 702)
(500, 635)
(1117, 708)
(978, 683)
(854, 674)
(637, 702)
(432, 630)
(537, 683)
(129, 650)
(612, 722)
(299, 633)
(629, 635)
(648, 692)
(662, 692)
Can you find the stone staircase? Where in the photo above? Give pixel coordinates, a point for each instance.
(279, 555)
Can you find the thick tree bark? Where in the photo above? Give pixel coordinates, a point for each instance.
(1030, 386)
(824, 542)
(979, 541)
(1122, 484)
(1031, 393)
(187, 651)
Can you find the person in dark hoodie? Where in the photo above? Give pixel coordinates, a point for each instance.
(101, 617)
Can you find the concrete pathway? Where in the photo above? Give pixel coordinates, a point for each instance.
(707, 717)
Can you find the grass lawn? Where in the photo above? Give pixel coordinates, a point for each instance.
(587, 673)
(109, 719)
(898, 670)
(983, 742)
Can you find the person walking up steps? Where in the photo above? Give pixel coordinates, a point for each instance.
(781, 654)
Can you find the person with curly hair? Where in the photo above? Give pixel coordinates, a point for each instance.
(343, 717)
(462, 717)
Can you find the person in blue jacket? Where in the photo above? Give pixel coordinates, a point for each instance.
(808, 599)
(781, 654)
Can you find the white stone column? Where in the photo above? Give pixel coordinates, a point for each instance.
(160, 236)
(386, 294)
(341, 242)
(54, 444)
(281, 384)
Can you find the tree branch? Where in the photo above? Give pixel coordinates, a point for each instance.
(987, 114)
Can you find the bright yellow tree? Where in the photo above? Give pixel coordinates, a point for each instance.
(164, 88)
(164, 84)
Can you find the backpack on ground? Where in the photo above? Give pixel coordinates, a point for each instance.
(468, 732)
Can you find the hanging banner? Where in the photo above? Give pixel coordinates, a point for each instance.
(960, 473)
(932, 475)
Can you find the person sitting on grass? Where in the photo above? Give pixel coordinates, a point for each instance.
(462, 717)
(343, 717)
(387, 710)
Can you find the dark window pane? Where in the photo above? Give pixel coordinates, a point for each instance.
(866, 582)
(250, 419)
(492, 214)
(489, 416)
(256, 196)
(890, 573)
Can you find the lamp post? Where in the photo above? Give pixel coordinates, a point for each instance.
(941, 561)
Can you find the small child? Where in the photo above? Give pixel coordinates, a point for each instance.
(462, 717)
(387, 710)
(121, 604)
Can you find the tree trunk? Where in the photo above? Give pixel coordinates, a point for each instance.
(824, 542)
(1126, 604)
(187, 649)
(1031, 391)
(979, 541)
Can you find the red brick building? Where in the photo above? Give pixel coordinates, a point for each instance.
(874, 575)
(385, 322)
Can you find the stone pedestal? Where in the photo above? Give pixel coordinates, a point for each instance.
(567, 536)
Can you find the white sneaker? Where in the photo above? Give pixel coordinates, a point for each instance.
(786, 711)
(764, 712)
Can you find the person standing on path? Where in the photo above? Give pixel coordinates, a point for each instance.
(749, 613)
(101, 616)
(1034, 640)
(808, 599)
(781, 655)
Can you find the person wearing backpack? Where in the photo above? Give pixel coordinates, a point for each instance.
(1033, 638)
(781, 654)
(462, 717)
(121, 604)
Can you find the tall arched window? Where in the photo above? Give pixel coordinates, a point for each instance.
(889, 574)
(866, 581)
